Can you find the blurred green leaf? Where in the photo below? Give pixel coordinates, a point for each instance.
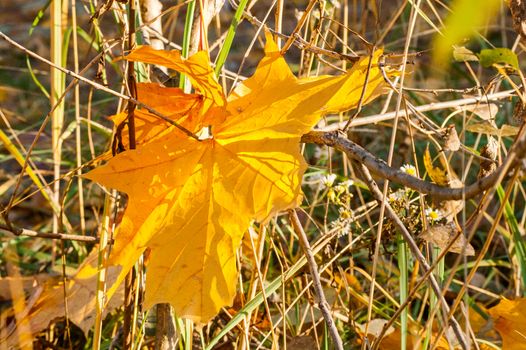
(465, 18)
(489, 57)
(489, 128)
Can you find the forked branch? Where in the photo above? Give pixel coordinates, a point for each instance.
(378, 195)
(379, 167)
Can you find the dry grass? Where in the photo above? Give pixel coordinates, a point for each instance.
(366, 269)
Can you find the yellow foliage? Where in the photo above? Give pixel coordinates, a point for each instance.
(438, 175)
(47, 303)
(509, 317)
(190, 201)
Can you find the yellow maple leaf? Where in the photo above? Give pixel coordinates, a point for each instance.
(190, 200)
(509, 317)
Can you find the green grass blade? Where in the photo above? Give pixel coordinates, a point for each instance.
(404, 283)
(253, 304)
(520, 247)
(225, 49)
(184, 83)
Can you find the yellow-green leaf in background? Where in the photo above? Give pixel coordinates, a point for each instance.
(466, 17)
(499, 55)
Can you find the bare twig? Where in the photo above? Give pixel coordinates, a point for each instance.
(62, 236)
(128, 326)
(299, 25)
(99, 86)
(364, 89)
(301, 43)
(377, 194)
(313, 267)
(379, 167)
(435, 106)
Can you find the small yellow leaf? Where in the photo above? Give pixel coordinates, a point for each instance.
(509, 317)
(438, 175)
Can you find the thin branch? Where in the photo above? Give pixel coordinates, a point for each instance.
(377, 194)
(435, 106)
(61, 236)
(99, 86)
(128, 325)
(299, 42)
(313, 267)
(380, 168)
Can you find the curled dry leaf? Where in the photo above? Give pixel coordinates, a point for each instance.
(519, 112)
(441, 235)
(28, 283)
(302, 342)
(392, 338)
(451, 140)
(490, 151)
(190, 201)
(509, 317)
(518, 13)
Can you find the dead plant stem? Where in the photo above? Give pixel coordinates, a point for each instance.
(61, 236)
(381, 168)
(131, 278)
(377, 194)
(318, 289)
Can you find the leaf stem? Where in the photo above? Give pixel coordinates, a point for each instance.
(130, 280)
